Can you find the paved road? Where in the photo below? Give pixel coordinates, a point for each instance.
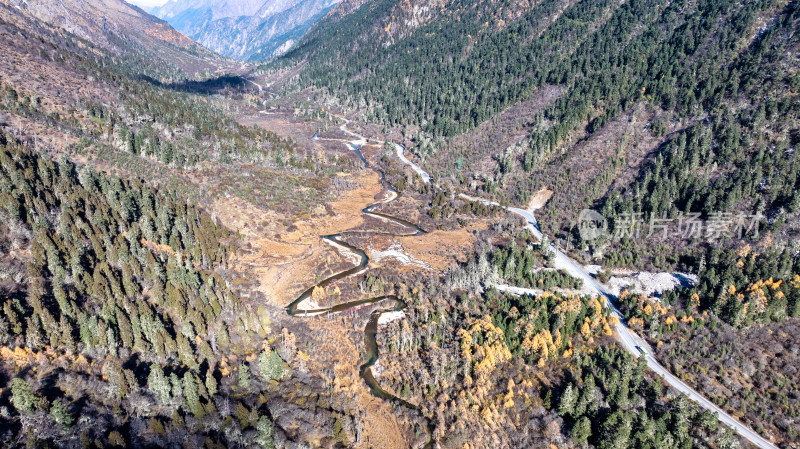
(629, 339)
(401, 154)
(260, 88)
(400, 149)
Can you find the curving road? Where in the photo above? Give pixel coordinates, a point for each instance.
(401, 154)
(400, 150)
(632, 342)
(259, 86)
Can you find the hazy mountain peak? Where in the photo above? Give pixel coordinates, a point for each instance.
(244, 29)
(219, 9)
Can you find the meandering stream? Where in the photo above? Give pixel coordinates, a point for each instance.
(296, 309)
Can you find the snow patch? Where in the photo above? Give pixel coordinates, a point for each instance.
(395, 251)
(388, 317)
(286, 46)
(346, 252)
(651, 284)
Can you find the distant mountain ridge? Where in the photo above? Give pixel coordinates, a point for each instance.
(244, 29)
(120, 28)
(219, 9)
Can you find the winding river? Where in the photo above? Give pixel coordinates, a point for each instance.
(296, 309)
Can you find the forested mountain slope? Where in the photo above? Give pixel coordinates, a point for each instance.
(117, 323)
(110, 291)
(589, 99)
(67, 94)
